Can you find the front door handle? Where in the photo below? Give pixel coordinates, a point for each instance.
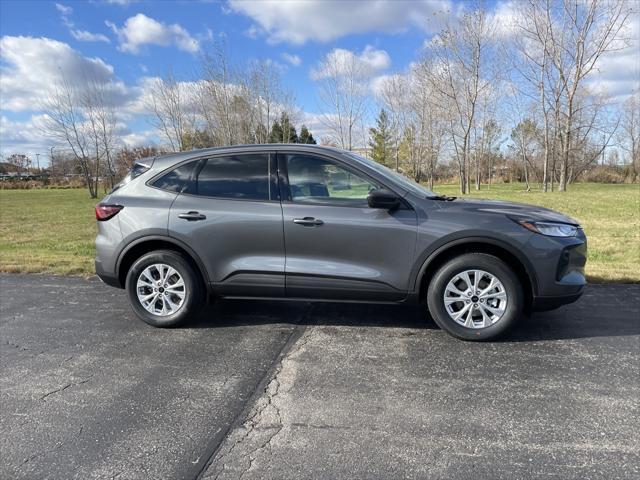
(192, 216)
(308, 221)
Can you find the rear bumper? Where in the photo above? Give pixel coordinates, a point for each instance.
(109, 278)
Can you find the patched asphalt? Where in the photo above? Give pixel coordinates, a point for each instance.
(294, 390)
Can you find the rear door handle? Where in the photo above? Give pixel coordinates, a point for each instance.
(192, 216)
(308, 221)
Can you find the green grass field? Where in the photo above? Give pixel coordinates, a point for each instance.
(53, 230)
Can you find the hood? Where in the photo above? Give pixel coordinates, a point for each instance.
(512, 209)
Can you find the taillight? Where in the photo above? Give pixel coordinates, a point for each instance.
(105, 212)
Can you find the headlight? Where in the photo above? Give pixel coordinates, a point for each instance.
(551, 229)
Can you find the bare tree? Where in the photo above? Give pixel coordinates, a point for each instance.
(100, 118)
(629, 136)
(572, 37)
(168, 101)
(456, 67)
(82, 118)
(343, 96)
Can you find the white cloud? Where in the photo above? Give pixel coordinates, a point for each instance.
(505, 19)
(25, 137)
(31, 68)
(617, 73)
(141, 30)
(80, 35)
(318, 20)
(84, 36)
(317, 124)
(294, 60)
(340, 62)
(63, 9)
(140, 139)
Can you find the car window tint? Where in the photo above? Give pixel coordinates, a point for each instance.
(319, 180)
(235, 176)
(176, 179)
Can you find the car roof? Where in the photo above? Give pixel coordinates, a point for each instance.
(177, 157)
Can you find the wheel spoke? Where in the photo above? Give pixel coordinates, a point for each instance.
(468, 322)
(171, 307)
(495, 296)
(450, 300)
(177, 293)
(461, 312)
(150, 306)
(452, 288)
(170, 271)
(491, 286)
(466, 279)
(486, 320)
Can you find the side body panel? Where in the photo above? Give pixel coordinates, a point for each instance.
(240, 242)
(356, 253)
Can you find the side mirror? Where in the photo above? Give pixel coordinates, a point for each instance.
(383, 198)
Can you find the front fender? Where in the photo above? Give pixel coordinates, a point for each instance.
(456, 239)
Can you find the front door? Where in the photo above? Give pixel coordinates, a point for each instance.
(230, 214)
(337, 247)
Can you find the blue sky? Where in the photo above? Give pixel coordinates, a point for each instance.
(126, 41)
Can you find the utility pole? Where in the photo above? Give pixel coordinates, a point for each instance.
(51, 161)
(38, 161)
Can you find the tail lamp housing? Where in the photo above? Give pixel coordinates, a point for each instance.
(106, 211)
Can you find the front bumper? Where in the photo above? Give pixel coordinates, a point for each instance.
(541, 304)
(569, 281)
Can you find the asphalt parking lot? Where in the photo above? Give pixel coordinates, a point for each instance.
(295, 390)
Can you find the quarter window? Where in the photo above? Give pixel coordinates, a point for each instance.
(176, 180)
(236, 176)
(319, 180)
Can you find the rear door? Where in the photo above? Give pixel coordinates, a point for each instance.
(229, 213)
(337, 246)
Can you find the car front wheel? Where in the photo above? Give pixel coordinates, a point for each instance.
(163, 288)
(475, 296)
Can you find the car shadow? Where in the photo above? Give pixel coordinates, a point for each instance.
(565, 323)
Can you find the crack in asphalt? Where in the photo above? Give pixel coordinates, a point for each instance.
(262, 398)
(65, 386)
(271, 395)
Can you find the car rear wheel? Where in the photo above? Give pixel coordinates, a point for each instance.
(475, 296)
(164, 289)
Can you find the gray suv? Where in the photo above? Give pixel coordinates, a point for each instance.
(316, 223)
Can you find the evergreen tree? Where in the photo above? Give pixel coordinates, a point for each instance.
(283, 131)
(381, 142)
(289, 134)
(276, 133)
(306, 136)
(193, 139)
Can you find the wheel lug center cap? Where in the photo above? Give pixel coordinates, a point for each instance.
(474, 299)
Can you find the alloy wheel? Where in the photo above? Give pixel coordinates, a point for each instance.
(475, 299)
(161, 289)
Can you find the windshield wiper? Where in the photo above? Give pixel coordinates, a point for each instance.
(443, 198)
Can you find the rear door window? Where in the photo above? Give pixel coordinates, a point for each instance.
(244, 177)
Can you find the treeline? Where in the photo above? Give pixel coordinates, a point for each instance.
(479, 92)
(488, 98)
(229, 105)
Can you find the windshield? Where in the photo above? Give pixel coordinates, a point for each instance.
(410, 185)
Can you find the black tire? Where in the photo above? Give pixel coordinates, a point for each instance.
(193, 288)
(479, 261)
